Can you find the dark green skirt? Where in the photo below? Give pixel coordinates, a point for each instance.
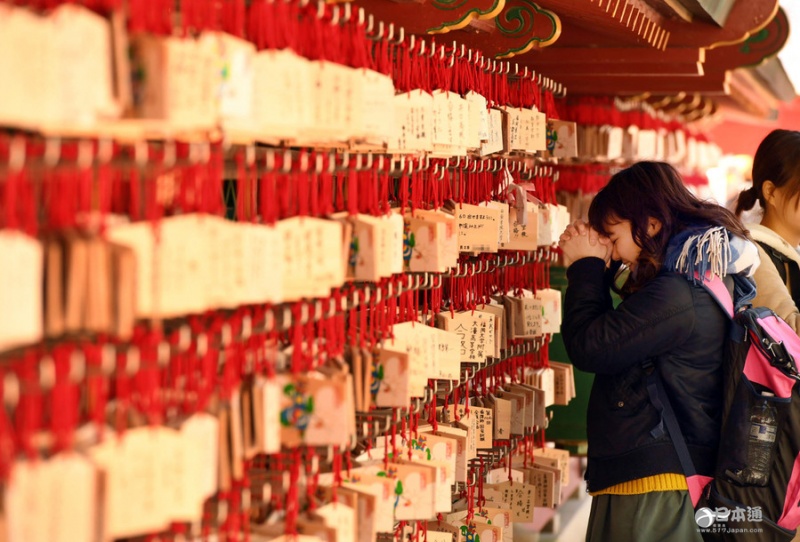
(661, 516)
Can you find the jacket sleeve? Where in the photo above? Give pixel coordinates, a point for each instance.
(604, 340)
(772, 292)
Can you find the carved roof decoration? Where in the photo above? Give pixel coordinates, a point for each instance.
(615, 47)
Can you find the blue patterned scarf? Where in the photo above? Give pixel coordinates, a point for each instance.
(701, 249)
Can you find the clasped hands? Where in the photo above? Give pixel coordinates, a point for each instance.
(580, 240)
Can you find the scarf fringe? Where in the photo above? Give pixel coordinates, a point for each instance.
(715, 251)
(708, 251)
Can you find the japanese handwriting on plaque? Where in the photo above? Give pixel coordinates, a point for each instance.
(524, 234)
(476, 332)
(494, 141)
(519, 496)
(478, 228)
(413, 122)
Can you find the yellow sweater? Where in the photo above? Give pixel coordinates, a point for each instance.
(650, 484)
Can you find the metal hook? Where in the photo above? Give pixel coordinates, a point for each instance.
(348, 12)
(426, 283)
(105, 150)
(47, 373)
(467, 375)
(335, 16)
(194, 151)
(320, 9)
(77, 366)
(132, 360)
(141, 152)
(287, 161)
(442, 173)
(52, 151)
(402, 35)
(421, 47)
(286, 318)
(331, 163)
(85, 150)
(108, 358)
(391, 32)
(171, 152)
(11, 389)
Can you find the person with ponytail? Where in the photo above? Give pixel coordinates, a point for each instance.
(776, 187)
(667, 323)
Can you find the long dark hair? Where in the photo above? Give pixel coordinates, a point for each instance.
(654, 190)
(778, 160)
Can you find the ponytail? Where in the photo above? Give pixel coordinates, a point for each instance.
(747, 200)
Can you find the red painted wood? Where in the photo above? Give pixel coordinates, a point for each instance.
(417, 17)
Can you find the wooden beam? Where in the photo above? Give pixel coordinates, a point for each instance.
(614, 55)
(716, 84)
(653, 69)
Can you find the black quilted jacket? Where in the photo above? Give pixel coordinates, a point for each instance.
(670, 323)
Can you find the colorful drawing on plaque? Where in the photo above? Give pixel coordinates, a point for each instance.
(409, 242)
(469, 534)
(352, 258)
(552, 137)
(421, 444)
(391, 472)
(377, 380)
(298, 414)
(398, 491)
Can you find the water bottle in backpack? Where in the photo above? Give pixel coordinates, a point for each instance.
(763, 430)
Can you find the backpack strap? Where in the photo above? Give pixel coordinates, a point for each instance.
(788, 270)
(716, 286)
(696, 483)
(655, 389)
(778, 259)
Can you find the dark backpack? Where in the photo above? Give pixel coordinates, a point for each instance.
(761, 390)
(787, 268)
